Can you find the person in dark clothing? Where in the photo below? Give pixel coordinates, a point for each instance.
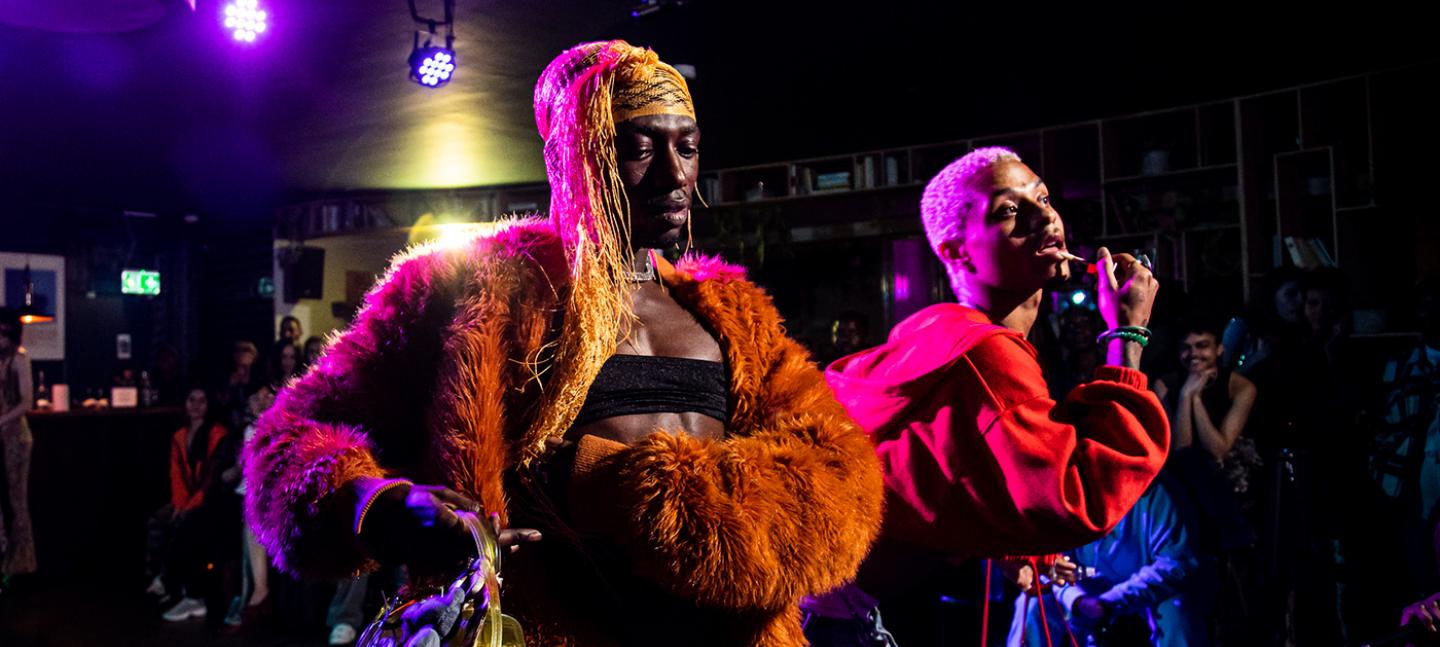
(1209, 405)
(1296, 425)
(181, 532)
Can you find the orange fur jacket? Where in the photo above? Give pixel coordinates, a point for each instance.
(697, 542)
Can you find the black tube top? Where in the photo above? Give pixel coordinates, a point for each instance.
(631, 384)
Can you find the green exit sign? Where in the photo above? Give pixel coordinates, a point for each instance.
(139, 282)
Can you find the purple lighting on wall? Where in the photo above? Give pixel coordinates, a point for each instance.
(911, 287)
(245, 20)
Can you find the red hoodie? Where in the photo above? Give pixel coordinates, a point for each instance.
(978, 460)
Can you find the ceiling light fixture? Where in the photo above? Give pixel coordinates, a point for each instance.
(30, 313)
(245, 20)
(432, 65)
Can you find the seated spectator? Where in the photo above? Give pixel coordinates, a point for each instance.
(178, 531)
(1208, 405)
(1149, 586)
(233, 394)
(284, 364)
(314, 346)
(290, 331)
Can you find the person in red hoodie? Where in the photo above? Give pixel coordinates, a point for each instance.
(978, 460)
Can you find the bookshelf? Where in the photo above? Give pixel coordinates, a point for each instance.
(355, 212)
(1216, 187)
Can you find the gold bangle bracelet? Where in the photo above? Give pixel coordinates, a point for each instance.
(388, 485)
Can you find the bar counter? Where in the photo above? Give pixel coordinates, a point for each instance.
(95, 478)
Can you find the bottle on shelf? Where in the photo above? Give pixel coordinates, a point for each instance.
(42, 392)
(147, 390)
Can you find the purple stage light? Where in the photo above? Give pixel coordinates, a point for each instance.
(432, 66)
(245, 20)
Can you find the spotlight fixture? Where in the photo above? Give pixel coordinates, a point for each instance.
(245, 20)
(432, 65)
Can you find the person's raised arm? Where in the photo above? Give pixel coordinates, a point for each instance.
(1219, 440)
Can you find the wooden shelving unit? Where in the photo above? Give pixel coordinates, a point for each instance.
(1215, 187)
(364, 211)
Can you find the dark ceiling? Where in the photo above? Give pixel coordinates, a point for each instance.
(143, 104)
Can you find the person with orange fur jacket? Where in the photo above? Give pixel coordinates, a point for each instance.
(675, 510)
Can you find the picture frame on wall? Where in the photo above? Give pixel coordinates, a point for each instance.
(44, 340)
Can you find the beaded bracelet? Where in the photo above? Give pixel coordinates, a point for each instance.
(374, 495)
(1125, 335)
(1139, 330)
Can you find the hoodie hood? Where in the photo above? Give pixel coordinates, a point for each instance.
(877, 386)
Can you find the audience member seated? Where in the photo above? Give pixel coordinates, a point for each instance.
(284, 364)
(233, 394)
(1209, 405)
(314, 346)
(1212, 462)
(290, 331)
(1150, 586)
(179, 533)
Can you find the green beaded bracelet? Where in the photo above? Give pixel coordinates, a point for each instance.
(1125, 335)
(1139, 330)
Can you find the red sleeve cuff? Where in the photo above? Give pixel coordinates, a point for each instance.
(1127, 376)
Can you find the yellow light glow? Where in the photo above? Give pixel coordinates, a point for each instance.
(458, 148)
(453, 157)
(449, 236)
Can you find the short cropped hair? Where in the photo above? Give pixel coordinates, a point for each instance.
(945, 203)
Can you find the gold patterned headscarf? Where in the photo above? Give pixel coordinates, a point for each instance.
(651, 88)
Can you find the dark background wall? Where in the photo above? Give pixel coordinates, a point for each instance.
(210, 281)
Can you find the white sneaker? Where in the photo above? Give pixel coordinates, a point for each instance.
(156, 588)
(186, 609)
(342, 634)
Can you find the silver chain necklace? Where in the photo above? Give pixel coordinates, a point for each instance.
(641, 276)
